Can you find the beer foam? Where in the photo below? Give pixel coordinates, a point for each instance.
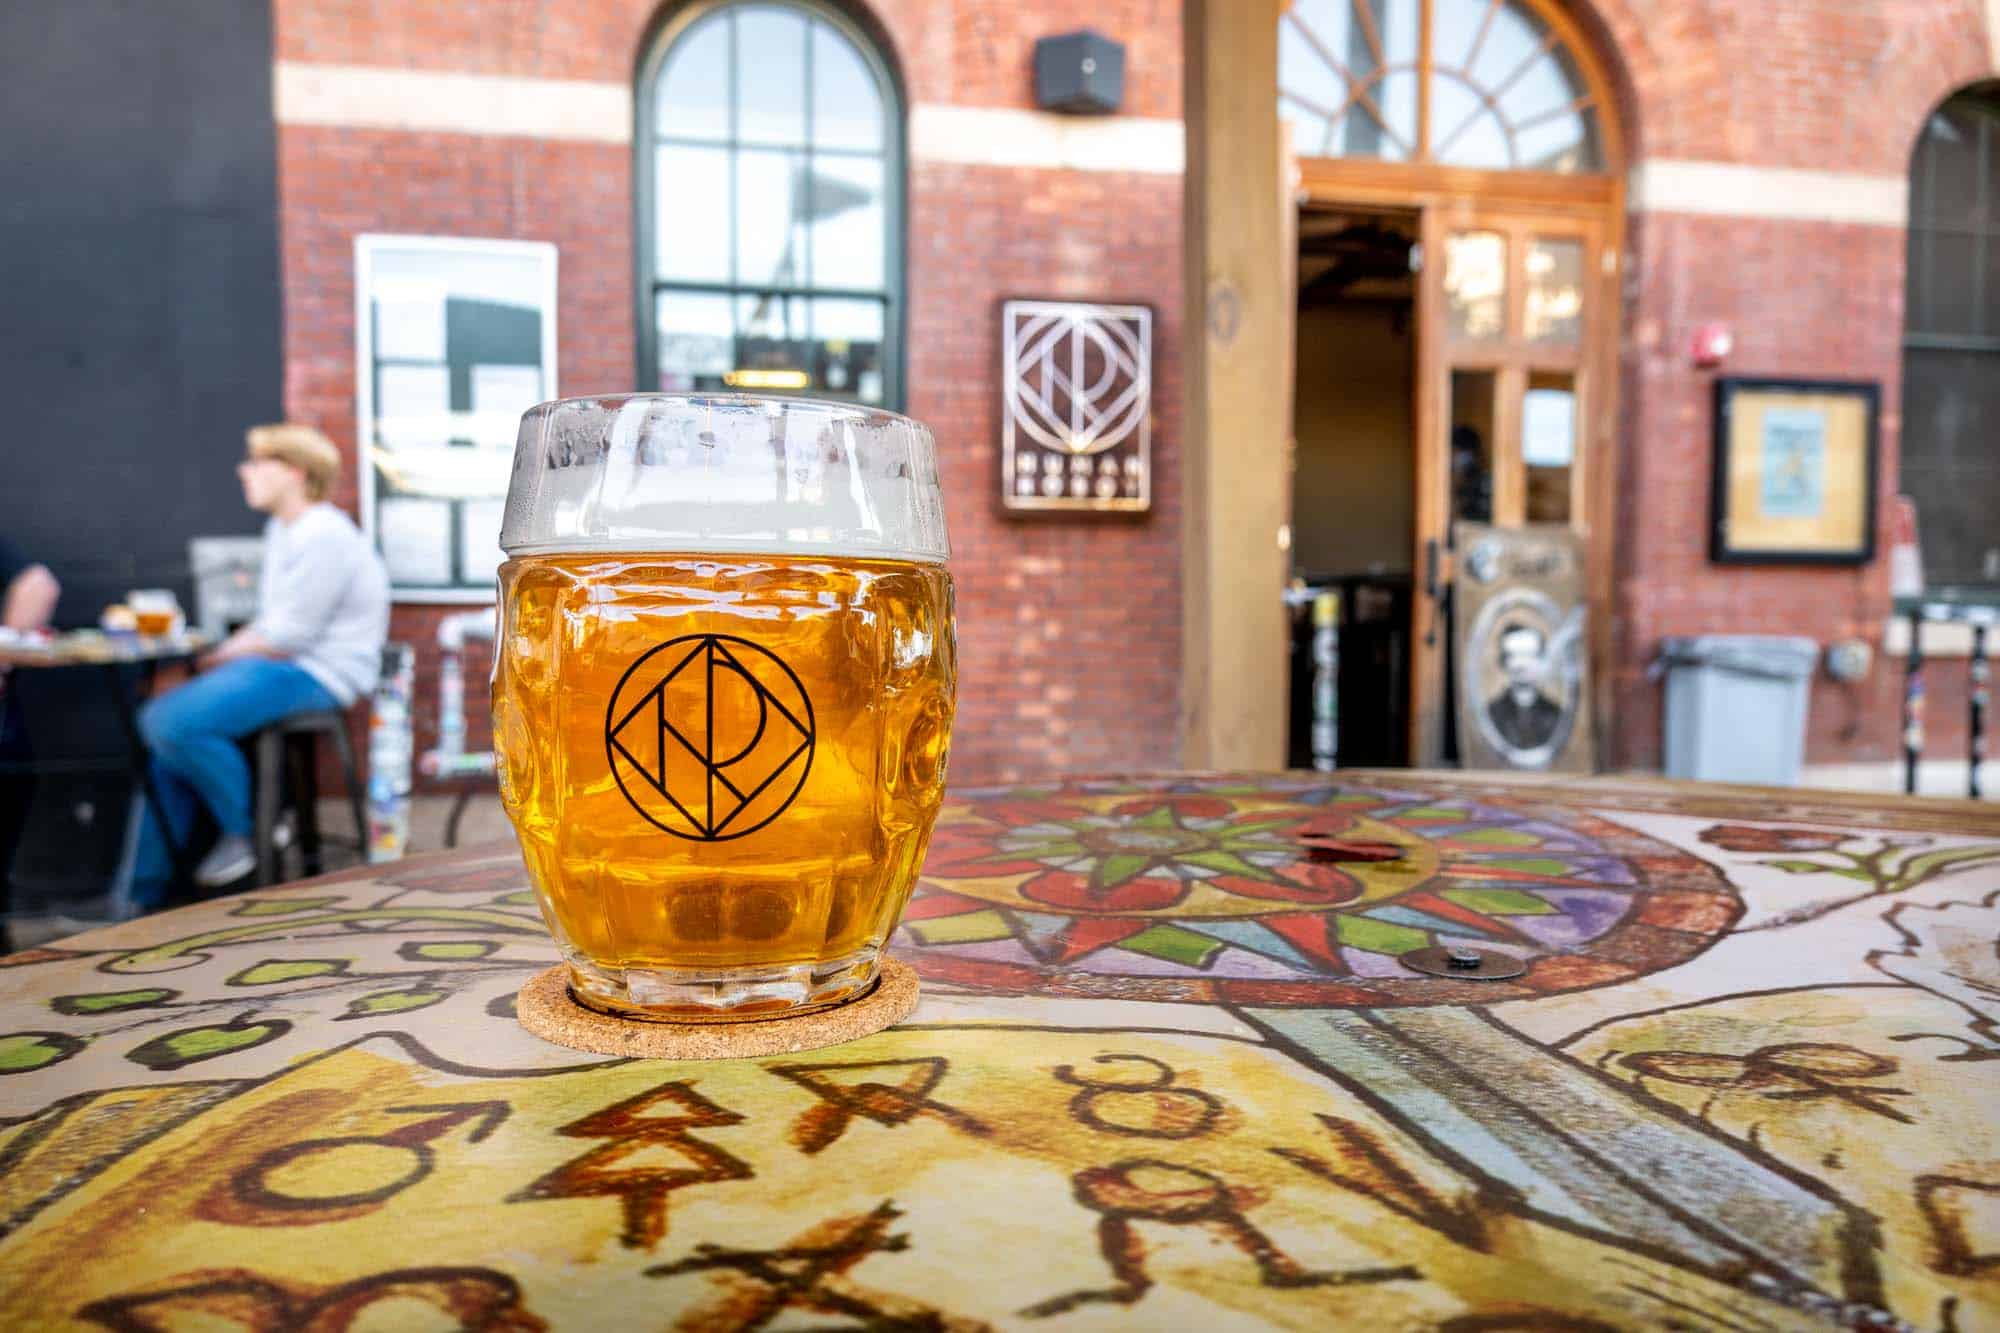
(723, 473)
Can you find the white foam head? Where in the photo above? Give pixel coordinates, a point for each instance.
(724, 473)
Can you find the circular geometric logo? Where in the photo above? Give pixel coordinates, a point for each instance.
(709, 736)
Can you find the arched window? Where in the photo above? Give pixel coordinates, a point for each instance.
(1951, 340)
(770, 182)
(1472, 83)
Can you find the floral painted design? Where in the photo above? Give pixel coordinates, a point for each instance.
(1205, 889)
(1883, 865)
(1148, 855)
(1750, 838)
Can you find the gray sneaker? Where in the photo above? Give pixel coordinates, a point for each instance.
(230, 860)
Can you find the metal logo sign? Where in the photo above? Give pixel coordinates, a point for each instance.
(1077, 410)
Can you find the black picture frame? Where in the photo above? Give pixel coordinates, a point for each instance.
(1733, 393)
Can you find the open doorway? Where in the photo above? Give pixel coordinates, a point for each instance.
(1353, 515)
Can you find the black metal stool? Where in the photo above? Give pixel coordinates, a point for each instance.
(287, 764)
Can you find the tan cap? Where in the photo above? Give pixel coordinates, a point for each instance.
(301, 446)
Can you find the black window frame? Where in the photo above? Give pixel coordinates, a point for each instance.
(1925, 225)
(647, 284)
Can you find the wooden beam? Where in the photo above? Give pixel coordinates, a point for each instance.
(1236, 445)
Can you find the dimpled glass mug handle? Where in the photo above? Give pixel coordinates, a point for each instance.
(723, 693)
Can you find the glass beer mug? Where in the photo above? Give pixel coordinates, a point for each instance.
(723, 691)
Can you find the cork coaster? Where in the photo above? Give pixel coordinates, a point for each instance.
(546, 1009)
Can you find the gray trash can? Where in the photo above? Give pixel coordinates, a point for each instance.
(1736, 706)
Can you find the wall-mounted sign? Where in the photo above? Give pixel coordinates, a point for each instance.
(1522, 649)
(1077, 407)
(1794, 478)
(454, 340)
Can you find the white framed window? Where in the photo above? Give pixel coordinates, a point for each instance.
(454, 339)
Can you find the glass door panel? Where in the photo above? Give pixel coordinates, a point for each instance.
(1548, 446)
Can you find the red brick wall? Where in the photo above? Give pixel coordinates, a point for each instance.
(1802, 298)
(1785, 83)
(1069, 628)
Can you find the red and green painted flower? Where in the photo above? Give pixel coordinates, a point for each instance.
(1155, 854)
(1191, 889)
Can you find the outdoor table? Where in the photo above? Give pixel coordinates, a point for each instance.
(1978, 608)
(1167, 1073)
(115, 662)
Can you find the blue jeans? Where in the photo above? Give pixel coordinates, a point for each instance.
(192, 731)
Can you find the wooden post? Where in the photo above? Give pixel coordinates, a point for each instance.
(1236, 447)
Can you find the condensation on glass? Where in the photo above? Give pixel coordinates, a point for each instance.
(1501, 89)
(771, 147)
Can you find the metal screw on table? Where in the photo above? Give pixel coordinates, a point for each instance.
(1463, 963)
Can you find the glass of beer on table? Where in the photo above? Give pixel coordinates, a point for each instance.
(723, 691)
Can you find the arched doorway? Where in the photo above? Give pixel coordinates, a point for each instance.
(1420, 132)
(1950, 461)
(1477, 139)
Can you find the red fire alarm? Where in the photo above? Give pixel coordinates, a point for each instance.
(1712, 344)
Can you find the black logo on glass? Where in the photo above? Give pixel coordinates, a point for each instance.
(709, 736)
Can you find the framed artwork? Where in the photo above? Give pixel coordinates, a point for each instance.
(1794, 472)
(453, 340)
(1522, 648)
(1076, 407)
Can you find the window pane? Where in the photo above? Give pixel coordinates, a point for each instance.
(1472, 395)
(691, 213)
(1312, 133)
(1354, 53)
(1475, 284)
(1554, 311)
(1951, 416)
(1511, 42)
(1946, 301)
(843, 213)
(1303, 45)
(1567, 142)
(1541, 89)
(692, 99)
(1946, 170)
(770, 230)
(1548, 445)
(770, 75)
(1310, 33)
(1455, 26)
(1464, 129)
(696, 347)
(771, 334)
(1397, 96)
(847, 104)
(847, 348)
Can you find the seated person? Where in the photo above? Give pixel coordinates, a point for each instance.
(28, 594)
(323, 614)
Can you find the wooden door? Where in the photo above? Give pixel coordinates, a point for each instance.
(1512, 387)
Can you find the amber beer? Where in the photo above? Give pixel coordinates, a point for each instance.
(723, 764)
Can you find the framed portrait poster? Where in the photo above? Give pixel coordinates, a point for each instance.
(1794, 472)
(454, 340)
(1521, 643)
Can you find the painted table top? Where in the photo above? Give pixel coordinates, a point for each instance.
(1167, 1074)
